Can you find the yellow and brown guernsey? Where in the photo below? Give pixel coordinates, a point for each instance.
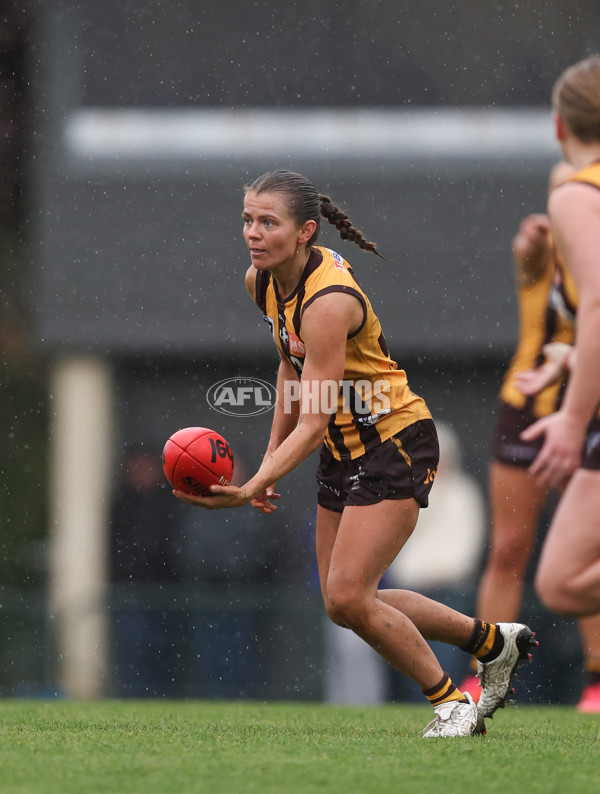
(555, 297)
(374, 401)
(543, 317)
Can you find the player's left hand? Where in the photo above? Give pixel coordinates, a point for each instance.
(222, 496)
(263, 502)
(533, 381)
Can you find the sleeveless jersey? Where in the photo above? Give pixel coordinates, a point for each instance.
(540, 322)
(564, 291)
(374, 401)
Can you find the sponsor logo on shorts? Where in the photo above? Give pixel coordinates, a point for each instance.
(334, 491)
(524, 453)
(355, 478)
(430, 476)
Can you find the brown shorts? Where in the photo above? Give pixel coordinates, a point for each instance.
(507, 447)
(402, 467)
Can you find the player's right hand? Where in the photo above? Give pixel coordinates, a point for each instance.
(561, 451)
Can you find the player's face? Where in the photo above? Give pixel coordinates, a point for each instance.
(269, 230)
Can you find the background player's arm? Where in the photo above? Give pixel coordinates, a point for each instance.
(531, 247)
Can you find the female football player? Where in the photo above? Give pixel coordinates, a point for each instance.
(568, 575)
(340, 390)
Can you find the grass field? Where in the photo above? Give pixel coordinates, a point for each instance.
(123, 747)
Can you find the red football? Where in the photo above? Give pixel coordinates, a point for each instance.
(195, 458)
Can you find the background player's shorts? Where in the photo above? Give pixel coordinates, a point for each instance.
(507, 447)
(591, 450)
(402, 467)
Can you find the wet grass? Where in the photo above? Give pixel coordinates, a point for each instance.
(125, 747)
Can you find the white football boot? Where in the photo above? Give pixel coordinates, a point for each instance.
(496, 676)
(455, 719)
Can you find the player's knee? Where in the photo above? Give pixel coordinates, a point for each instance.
(557, 594)
(346, 605)
(510, 556)
(333, 615)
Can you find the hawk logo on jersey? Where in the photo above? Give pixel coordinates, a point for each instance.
(338, 262)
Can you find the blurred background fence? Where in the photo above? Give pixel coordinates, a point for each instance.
(129, 130)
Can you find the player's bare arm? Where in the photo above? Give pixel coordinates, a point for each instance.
(575, 217)
(285, 419)
(575, 212)
(531, 248)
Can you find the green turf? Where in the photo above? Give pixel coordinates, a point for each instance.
(282, 748)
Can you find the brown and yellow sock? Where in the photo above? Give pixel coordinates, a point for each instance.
(485, 643)
(443, 692)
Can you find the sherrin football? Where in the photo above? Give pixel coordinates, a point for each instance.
(194, 458)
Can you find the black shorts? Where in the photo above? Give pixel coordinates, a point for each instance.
(591, 450)
(507, 446)
(402, 467)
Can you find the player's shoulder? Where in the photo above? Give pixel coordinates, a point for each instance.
(573, 197)
(250, 278)
(257, 284)
(331, 257)
(333, 265)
